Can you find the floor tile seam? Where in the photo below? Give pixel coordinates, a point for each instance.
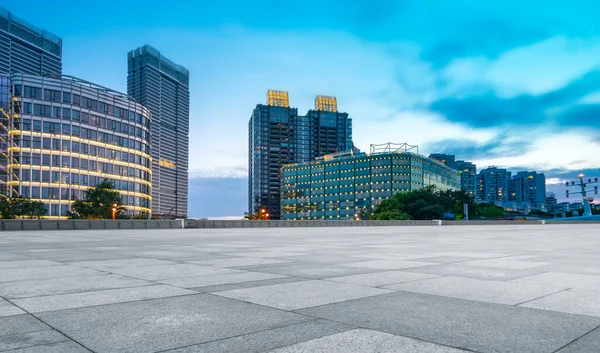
(301, 279)
(382, 331)
(377, 287)
(38, 345)
(47, 324)
(543, 296)
(576, 339)
(242, 334)
(44, 278)
(444, 297)
(24, 333)
(155, 281)
(294, 311)
(90, 291)
(117, 303)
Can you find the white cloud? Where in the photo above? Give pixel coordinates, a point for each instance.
(570, 150)
(535, 69)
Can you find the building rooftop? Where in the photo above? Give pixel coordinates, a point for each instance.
(529, 288)
(30, 33)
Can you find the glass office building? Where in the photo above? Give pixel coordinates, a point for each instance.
(338, 187)
(163, 87)
(66, 135)
(279, 136)
(26, 49)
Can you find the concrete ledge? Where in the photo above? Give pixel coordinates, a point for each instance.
(81, 224)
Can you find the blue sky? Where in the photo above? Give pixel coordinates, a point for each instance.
(514, 84)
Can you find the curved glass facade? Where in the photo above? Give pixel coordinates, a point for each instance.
(339, 188)
(66, 135)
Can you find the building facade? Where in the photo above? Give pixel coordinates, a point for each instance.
(163, 87)
(493, 185)
(277, 136)
(468, 176)
(27, 49)
(468, 171)
(66, 135)
(447, 159)
(528, 187)
(273, 134)
(339, 187)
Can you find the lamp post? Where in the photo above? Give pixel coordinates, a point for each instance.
(114, 211)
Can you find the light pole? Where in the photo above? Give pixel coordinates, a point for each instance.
(587, 211)
(114, 211)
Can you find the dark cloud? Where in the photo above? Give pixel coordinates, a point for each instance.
(489, 109)
(470, 150)
(485, 37)
(217, 197)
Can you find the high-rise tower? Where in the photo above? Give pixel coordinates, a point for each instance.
(27, 49)
(277, 136)
(163, 87)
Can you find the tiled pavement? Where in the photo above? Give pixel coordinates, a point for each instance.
(407, 289)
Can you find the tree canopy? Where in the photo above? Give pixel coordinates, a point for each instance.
(425, 204)
(21, 207)
(98, 203)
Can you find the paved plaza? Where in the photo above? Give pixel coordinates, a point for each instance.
(530, 288)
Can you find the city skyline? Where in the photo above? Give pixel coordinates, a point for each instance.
(510, 86)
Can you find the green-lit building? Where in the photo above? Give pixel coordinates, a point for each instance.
(340, 186)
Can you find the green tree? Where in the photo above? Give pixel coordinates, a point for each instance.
(539, 213)
(21, 207)
(98, 203)
(426, 204)
(391, 216)
(365, 213)
(490, 211)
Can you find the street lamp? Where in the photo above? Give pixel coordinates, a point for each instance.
(114, 211)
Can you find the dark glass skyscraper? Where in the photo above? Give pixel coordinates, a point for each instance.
(163, 87)
(277, 136)
(27, 49)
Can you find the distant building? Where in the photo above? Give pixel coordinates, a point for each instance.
(447, 159)
(493, 185)
(574, 206)
(528, 187)
(277, 136)
(468, 176)
(468, 171)
(338, 187)
(551, 203)
(163, 87)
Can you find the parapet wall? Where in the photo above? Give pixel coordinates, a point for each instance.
(81, 224)
(71, 224)
(299, 224)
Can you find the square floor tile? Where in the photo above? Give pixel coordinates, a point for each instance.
(477, 289)
(52, 286)
(477, 326)
(376, 279)
(213, 280)
(366, 341)
(573, 301)
(159, 272)
(297, 295)
(102, 297)
(161, 324)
